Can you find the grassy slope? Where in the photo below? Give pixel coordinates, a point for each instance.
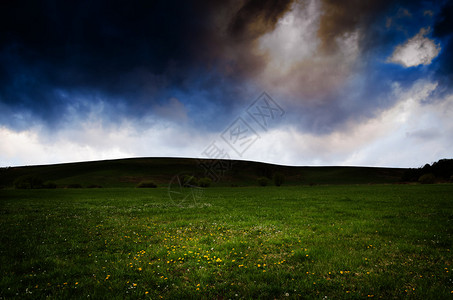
(354, 242)
(129, 172)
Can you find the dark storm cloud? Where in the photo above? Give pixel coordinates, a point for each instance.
(444, 24)
(257, 17)
(443, 30)
(373, 20)
(57, 57)
(100, 35)
(129, 54)
(231, 38)
(344, 17)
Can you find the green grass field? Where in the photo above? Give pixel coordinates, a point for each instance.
(345, 241)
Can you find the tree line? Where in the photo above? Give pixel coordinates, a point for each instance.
(440, 171)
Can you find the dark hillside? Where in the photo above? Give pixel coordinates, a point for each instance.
(130, 172)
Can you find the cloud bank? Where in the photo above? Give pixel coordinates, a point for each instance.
(102, 79)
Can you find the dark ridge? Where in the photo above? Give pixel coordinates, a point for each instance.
(132, 171)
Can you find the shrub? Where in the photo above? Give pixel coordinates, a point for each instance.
(147, 184)
(205, 182)
(427, 179)
(94, 186)
(74, 186)
(28, 182)
(49, 185)
(279, 178)
(189, 180)
(263, 181)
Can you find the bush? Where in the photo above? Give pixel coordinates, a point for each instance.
(94, 186)
(28, 182)
(147, 184)
(74, 186)
(279, 178)
(205, 182)
(427, 179)
(49, 185)
(263, 181)
(189, 180)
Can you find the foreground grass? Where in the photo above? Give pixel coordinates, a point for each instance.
(289, 242)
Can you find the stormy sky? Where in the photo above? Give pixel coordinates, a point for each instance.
(309, 82)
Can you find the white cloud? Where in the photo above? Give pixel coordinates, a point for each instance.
(418, 50)
(294, 38)
(30, 148)
(409, 134)
(295, 64)
(93, 141)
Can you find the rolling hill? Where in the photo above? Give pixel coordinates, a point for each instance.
(130, 172)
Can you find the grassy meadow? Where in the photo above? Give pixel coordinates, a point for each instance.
(343, 241)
